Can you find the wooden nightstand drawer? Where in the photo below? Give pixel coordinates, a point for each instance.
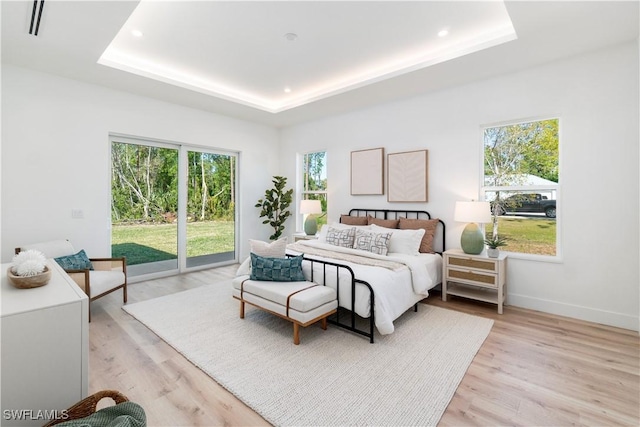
(477, 264)
(473, 276)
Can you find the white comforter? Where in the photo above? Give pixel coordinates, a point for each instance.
(394, 291)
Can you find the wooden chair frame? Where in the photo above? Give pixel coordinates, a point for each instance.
(82, 277)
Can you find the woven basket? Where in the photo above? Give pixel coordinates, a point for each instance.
(88, 405)
(26, 282)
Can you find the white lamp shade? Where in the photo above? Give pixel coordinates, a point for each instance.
(310, 207)
(478, 212)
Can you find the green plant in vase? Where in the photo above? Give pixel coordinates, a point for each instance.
(493, 243)
(275, 206)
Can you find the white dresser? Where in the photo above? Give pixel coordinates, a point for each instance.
(44, 348)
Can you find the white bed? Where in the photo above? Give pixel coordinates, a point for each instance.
(397, 287)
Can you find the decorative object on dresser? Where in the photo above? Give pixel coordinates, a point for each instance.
(29, 270)
(476, 277)
(493, 243)
(367, 172)
(97, 277)
(407, 176)
(275, 206)
(310, 208)
(473, 213)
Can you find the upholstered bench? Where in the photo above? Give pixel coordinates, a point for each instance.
(302, 303)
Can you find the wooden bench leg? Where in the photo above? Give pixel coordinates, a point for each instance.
(324, 323)
(242, 309)
(296, 333)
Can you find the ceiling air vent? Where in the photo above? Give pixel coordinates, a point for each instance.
(33, 17)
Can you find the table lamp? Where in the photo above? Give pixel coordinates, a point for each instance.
(474, 213)
(310, 208)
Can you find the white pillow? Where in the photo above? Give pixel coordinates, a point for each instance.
(377, 243)
(341, 237)
(402, 241)
(322, 235)
(275, 249)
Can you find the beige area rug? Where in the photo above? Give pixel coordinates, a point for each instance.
(333, 377)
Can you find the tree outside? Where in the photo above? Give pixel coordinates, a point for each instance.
(513, 154)
(144, 207)
(314, 181)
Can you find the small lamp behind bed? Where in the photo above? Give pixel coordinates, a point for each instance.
(472, 239)
(310, 208)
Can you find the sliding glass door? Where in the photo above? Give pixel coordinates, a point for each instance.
(210, 208)
(172, 206)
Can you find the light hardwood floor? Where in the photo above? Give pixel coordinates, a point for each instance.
(534, 369)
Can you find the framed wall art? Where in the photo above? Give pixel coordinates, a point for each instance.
(407, 178)
(367, 172)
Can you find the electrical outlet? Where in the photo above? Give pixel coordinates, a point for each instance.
(77, 213)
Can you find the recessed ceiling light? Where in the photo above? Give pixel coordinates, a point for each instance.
(291, 37)
(137, 33)
(443, 33)
(287, 89)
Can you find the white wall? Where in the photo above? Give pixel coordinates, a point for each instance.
(55, 148)
(55, 156)
(596, 98)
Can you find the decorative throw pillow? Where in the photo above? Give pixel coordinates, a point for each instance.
(341, 237)
(275, 249)
(377, 243)
(353, 220)
(79, 261)
(322, 234)
(429, 226)
(276, 269)
(402, 241)
(387, 223)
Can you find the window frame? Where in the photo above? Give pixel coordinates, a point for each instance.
(182, 152)
(557, 188)
(301, 193)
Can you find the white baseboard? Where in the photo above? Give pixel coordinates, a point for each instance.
(610, 318)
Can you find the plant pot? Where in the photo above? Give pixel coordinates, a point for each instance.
(493, 252)
(27, 282)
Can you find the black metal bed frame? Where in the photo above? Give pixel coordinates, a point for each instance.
(335, 319)
(351, 325)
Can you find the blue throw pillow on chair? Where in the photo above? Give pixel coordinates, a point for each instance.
(79, 261)
(276, 269)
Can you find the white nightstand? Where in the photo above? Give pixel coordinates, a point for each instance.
(476, 277)
(304, 236)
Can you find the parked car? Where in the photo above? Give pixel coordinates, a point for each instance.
(526, 202)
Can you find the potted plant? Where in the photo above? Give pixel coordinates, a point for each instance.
(275, 206)
(493, 243)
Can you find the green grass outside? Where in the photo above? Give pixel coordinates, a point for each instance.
(527, 235)
(142, 243)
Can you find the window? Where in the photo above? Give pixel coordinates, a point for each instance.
(313, 179)
(521, 181)
(172, 206)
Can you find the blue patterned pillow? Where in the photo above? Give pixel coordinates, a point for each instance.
(276, 269)
(79, 261)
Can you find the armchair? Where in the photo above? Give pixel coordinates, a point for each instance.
(108, 274)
